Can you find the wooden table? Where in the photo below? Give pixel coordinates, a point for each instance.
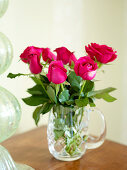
(31, 148)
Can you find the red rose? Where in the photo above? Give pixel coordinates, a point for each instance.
(65, 55)
(102, 53)
(31, 55)
(35, 66)
(86, 68)
(57, 72)
(48, 55)
(29, 52)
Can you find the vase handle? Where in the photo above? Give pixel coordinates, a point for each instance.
(92, 141)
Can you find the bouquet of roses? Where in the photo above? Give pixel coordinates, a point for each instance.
(64, 80)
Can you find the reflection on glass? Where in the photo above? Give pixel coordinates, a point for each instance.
(9, 163)
(3, 6)
(6, 53)
(10, 114)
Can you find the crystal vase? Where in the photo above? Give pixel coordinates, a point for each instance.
(67, 132)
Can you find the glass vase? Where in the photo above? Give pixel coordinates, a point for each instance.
(6, 53)
(10, 114)
(67, 132)
(3, 6)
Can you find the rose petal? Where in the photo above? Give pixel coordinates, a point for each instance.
(35, 66)
(47, 55)
(58, 76)
(102, 53)
(56, 72)
(89, 75)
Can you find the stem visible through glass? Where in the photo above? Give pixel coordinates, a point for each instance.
(84, 82)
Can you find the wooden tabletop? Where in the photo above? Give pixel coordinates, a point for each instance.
(31, 148)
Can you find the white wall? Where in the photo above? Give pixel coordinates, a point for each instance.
(71, 23)
(104, 24)
(124, 80)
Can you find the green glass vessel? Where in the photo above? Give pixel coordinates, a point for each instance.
(7, 163)
(6, 53)
(10, 114)
(3, 7)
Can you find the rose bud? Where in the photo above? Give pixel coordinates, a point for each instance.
(29, 52)
(65, 55)
(31, 55)
(57, 72)
(101, 53)
(47, 55)
(35, 66)
(86, 68)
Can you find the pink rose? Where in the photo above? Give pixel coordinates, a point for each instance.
(31, 55)
(86, 68)
(102, 53)
(35, 66)
(29, 52)
(48, 55)
(57, 72)
(65, 55)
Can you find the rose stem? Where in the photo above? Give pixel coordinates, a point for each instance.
(84, 82)
(62, 87)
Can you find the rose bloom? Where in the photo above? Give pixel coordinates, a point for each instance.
(57, 72)
(65, 55)
(31, 55)
(35, 66)
(102, 53)
(47, 55)
(86, 68)
(29, 52)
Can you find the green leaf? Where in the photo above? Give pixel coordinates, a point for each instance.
(36, 114)
(36, 80)
(82, 102)
(40, 80)
(59, 128)
(58, 134)
(44, 79)
(59, 123)
(46, 107)
(41, 110)
(74, 95)
(51, 94)
(35, 100)
(64, 96)
(74, 81)
(11, 75)
(89, 85)
(70, 102)
(106, 97)
(107, 90)
(91, 102)
(37, 90)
